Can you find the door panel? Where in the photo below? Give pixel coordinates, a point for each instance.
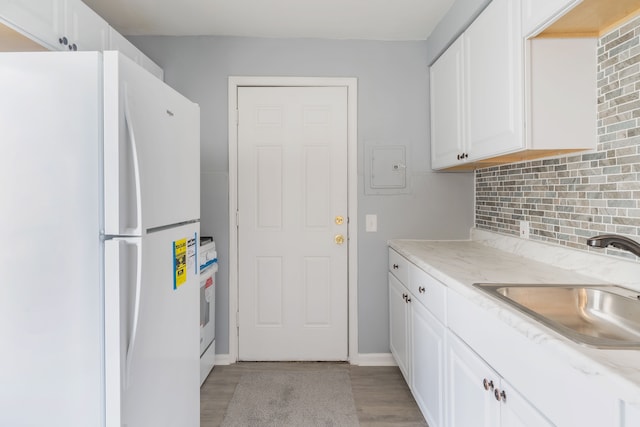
(317, 290)
(292, 183)
(317, 193)
(268, 289)
(270, 188)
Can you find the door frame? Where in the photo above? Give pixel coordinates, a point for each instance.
(351, 83)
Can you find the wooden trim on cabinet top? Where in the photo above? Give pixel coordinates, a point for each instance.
(519, 156)
(593, 18)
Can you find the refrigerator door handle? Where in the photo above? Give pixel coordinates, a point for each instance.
(136, 311)
(137, 230)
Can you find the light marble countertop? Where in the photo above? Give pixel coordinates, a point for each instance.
(490, 257)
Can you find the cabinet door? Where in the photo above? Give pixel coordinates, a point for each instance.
(399, 326)
(152, 67)
(84, 28)
(493, 49)
(516, 411)
(40, 20)
(538, 14)
(118, 42)
(447, 112)
(427, 363)
(468, 402)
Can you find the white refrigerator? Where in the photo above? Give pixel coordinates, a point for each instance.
(99, 224)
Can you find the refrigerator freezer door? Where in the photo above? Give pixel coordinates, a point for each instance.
(50, 257)
(152, 342)
(152, 149)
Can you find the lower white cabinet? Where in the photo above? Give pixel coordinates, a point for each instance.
(399, 327)
(427, 363)
(469, 403)
(478, 396)
(462, 363)
(516, 411)
(417, 336)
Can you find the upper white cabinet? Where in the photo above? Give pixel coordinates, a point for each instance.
(57, 24)
(69, 25)
(521, 99)
(40, 20)
(561, 94)
(493, 77)
(538, 14)
(447, 107)
(477, 90)
(83, 28)
(120, 43)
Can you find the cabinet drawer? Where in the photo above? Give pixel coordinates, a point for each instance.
(399, 266)
(428, 291)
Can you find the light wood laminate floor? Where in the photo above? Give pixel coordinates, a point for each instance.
(380, 393)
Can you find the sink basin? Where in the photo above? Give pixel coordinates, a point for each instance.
(602, 316)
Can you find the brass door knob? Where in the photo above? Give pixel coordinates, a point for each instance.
(339, 239)
(339, 220)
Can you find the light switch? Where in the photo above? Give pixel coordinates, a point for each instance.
(371, 223)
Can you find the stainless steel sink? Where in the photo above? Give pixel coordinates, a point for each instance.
(602, 316)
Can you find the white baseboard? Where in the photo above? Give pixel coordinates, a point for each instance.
(224, 359)
(374, 359)
(361, 359)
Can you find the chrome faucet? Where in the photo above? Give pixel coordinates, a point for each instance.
(616, 241)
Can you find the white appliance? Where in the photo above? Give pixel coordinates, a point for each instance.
(208, 268)
(99, 200)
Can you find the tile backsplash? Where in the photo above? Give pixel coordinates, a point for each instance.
(571, 198)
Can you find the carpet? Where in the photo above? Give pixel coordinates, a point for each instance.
(270, 399)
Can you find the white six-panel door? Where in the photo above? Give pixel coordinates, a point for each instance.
(292, 223)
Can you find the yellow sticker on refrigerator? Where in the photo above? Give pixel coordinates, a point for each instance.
(179, 263)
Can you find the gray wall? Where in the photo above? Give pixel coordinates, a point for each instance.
(457, 19)
(393, 109)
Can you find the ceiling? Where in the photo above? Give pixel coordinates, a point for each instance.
(332, 19)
